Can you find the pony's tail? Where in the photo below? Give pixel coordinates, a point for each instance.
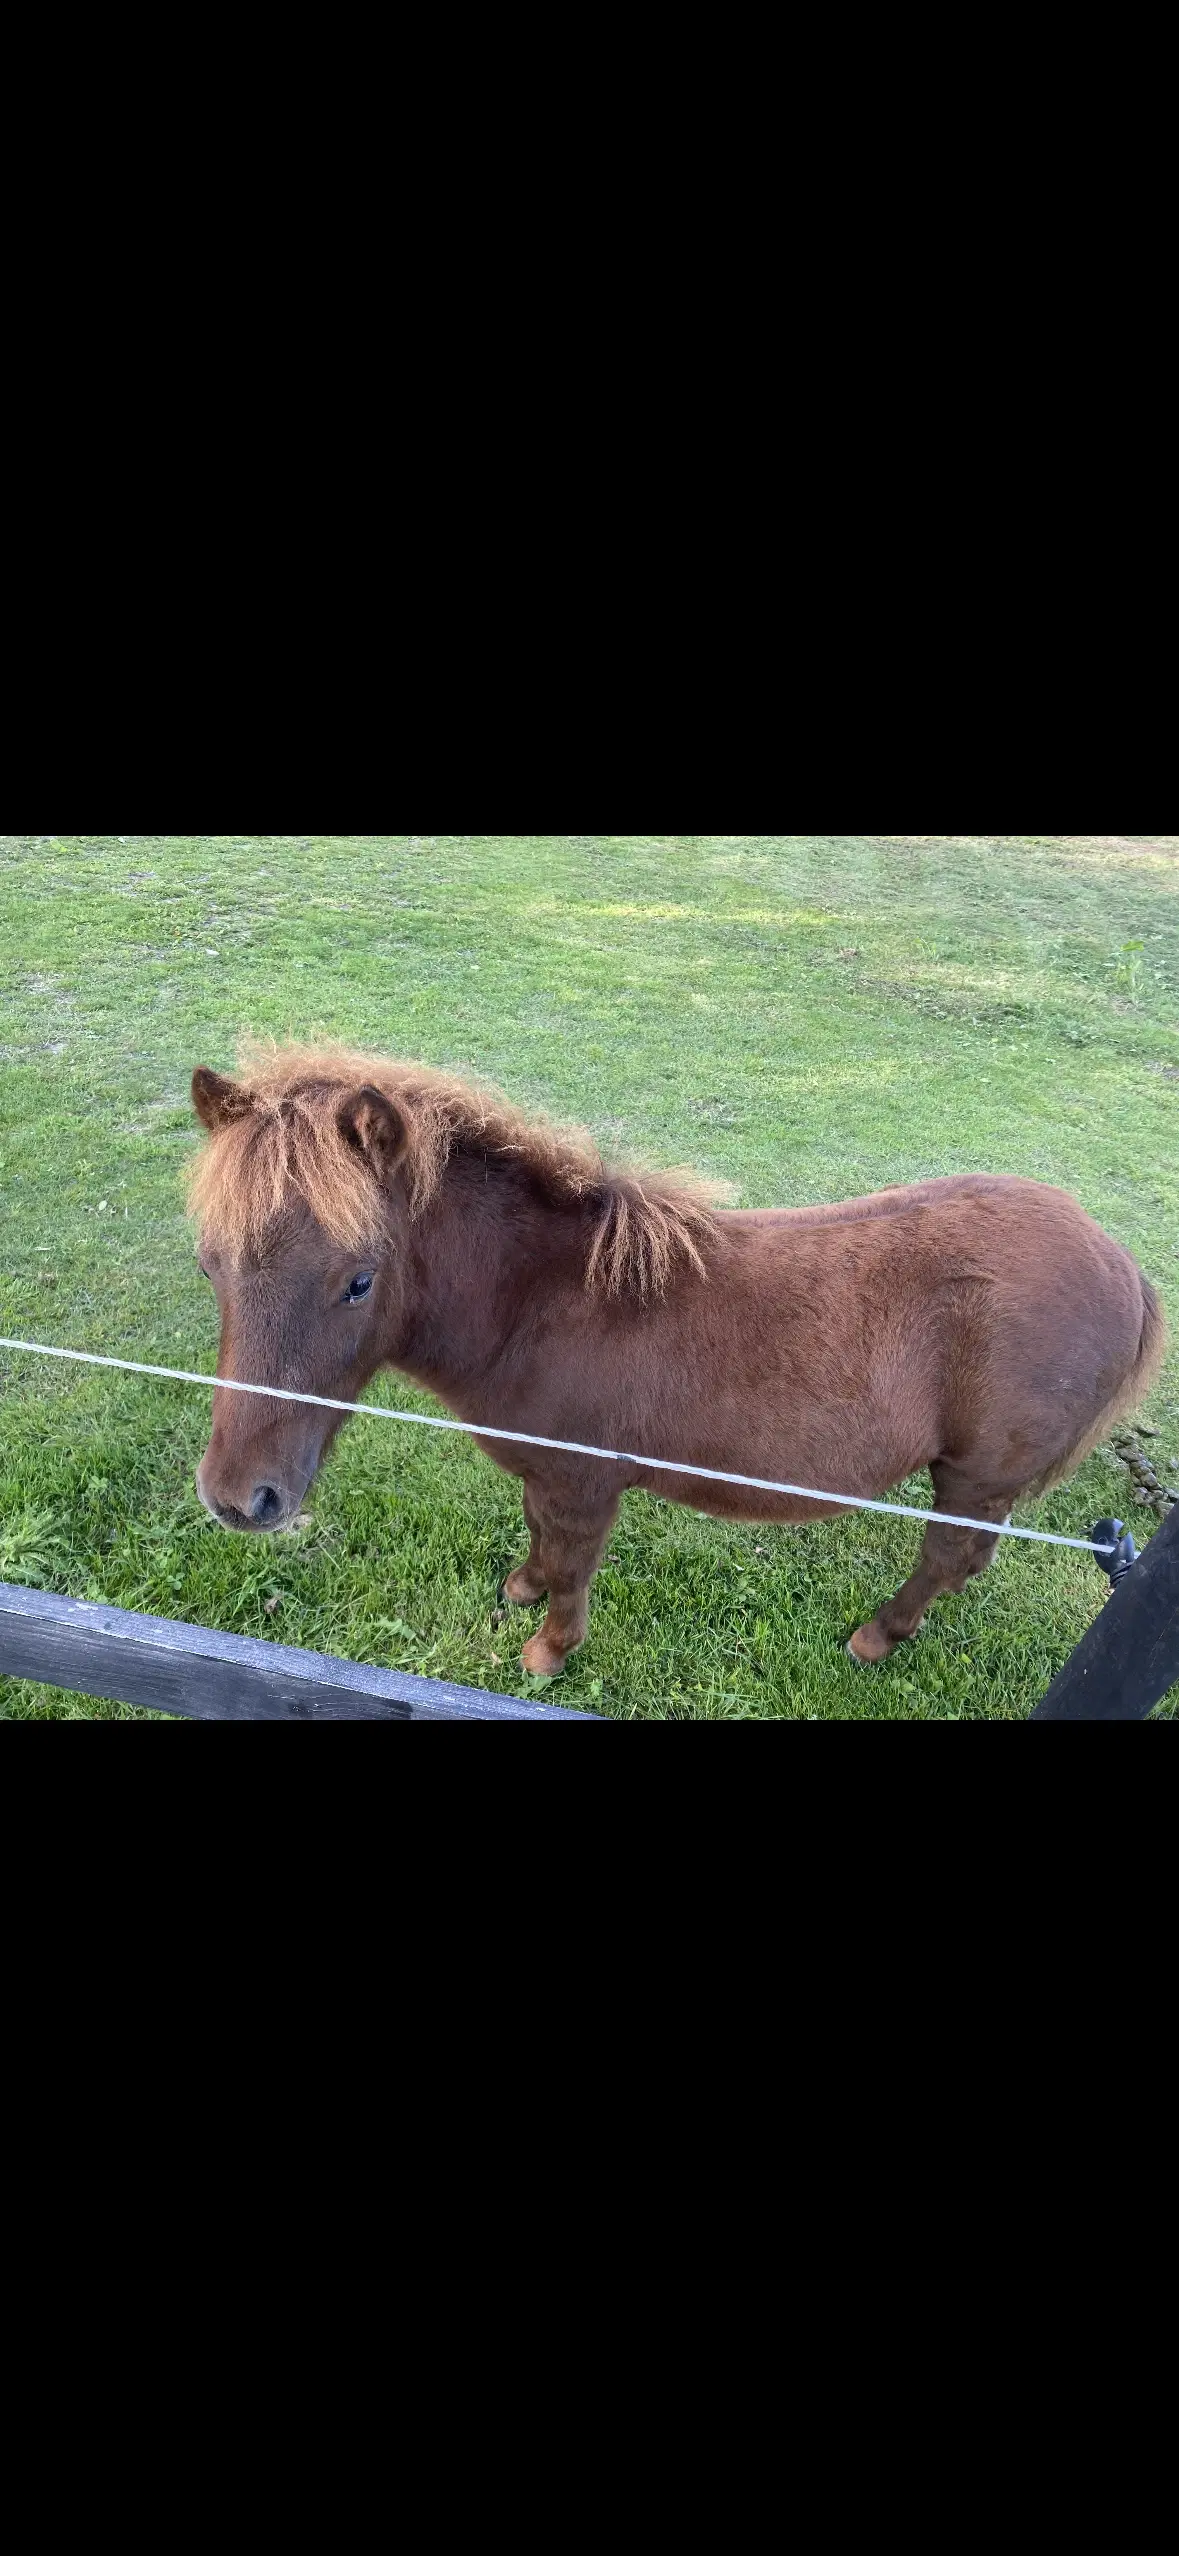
(1136, 1383)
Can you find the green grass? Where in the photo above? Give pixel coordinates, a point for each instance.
(805, 1017)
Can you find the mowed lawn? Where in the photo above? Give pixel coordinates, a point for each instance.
(806, 1017)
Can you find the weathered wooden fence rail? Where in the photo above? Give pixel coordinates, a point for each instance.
(226, 1677)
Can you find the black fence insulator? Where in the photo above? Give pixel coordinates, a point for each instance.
(1125, 1554)
(1129, 1658)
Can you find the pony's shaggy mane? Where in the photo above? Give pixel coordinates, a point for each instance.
(285, 1140)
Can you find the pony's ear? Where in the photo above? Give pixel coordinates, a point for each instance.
(216, 1098)
(373, 1127)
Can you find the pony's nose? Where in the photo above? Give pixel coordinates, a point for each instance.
(265, 1504)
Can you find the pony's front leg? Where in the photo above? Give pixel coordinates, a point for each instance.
(527, 1582)
(569, 1542)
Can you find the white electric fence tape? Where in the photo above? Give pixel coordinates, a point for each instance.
(563, 1446)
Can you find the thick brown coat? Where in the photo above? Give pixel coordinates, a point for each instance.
(981, 1326)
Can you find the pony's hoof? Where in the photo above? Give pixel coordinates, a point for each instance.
(868, 1646)
(518, 1587)
(541, 1658)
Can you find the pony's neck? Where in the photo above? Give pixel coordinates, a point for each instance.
(483, 1255)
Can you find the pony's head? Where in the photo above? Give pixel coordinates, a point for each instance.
(298, 1199)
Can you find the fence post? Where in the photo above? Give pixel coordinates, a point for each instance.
(1130, 1654)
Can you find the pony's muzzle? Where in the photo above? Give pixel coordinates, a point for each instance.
(265, 1506)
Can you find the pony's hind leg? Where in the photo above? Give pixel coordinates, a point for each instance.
(950, 1556)
(568, 1539)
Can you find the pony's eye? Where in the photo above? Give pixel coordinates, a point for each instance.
(359, 1288)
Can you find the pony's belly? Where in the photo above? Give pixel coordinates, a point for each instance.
(860, 1449)
(750, 1499)
(725, 1500)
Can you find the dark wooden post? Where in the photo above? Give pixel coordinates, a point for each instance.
(1129, 1657)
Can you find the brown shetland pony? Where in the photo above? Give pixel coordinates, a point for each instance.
(357, 1213)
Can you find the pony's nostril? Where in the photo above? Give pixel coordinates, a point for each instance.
(266, 1504)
